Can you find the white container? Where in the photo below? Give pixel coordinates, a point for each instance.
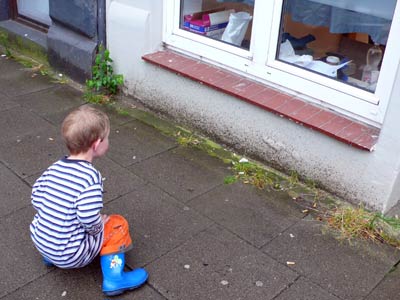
(237, 27)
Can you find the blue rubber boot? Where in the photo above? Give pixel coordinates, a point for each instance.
(115, 280)
(47, 262)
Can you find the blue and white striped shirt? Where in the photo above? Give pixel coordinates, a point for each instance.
(67, 228)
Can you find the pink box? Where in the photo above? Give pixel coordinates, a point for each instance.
(210, 23)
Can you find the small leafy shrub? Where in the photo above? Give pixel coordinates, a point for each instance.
(103, 77)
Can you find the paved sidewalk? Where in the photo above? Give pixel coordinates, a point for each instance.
(197, 237)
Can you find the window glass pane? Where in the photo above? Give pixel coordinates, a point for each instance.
(37, 10)
(344, 40)
(229, 21)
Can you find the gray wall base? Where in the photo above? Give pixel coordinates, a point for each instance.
(25, 40)
(70, 52)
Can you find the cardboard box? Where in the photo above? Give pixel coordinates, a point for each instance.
(198, 16)
(210, 23)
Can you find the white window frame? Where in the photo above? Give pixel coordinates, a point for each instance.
(259, 63)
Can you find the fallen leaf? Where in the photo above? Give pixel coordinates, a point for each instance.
(37, 68)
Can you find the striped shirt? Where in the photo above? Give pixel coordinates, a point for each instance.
(67, 228)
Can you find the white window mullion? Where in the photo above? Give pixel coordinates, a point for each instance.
(262, 22)
(389, 68)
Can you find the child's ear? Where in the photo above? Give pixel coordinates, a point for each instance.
(96, 144)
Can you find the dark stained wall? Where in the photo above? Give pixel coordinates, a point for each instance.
(78, 15)
(4, 8)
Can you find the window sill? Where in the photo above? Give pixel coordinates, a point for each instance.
(331, 123)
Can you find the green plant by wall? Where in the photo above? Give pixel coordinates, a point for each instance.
(5, 43)
(103, 78)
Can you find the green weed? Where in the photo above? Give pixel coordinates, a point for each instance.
(94, 98)
(358, 222)
(103, 77)
(187, 140)
(6, 44)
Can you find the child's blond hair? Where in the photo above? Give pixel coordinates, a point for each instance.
(82, 127)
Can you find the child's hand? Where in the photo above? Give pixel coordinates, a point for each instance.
(104, 218)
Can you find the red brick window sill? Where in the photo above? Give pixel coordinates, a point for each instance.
(331, 123)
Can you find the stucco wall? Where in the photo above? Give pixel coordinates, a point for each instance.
(356, 175)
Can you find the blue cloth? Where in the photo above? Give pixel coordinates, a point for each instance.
(338, 20)
(248, 2)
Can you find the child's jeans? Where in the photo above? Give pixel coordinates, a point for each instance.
(116, 236)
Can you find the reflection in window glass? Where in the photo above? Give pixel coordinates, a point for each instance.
(344, 40)
(37, 10)
(229, 21)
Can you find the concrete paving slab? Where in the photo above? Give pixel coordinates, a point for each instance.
(158, 223)
(117, 181)
(6, 103)
(145, 292)
(217, 265)
(32, 154)
(83, 283)
(252, 214)
(116, 118)
(62, 284)
(19, 122)
(20, 261)
(15, 194)
(347, 271)
(24, 82)
(183, 172)
(135, 141)
(388, 288)
(303, 289)
(52, 104)
(10, 68)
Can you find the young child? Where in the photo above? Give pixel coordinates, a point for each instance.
(68, 229)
